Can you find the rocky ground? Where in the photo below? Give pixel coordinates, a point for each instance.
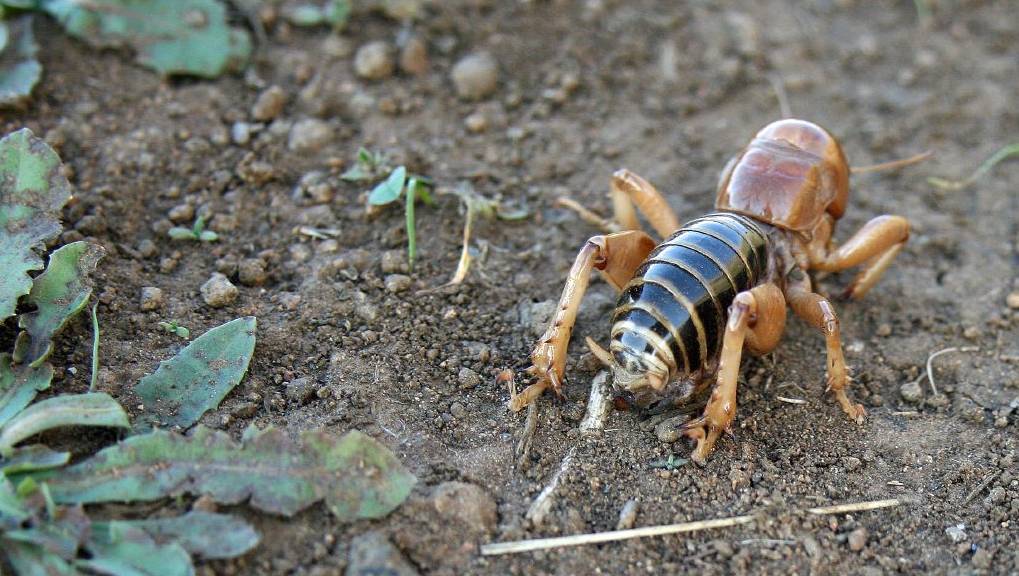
(528, 101)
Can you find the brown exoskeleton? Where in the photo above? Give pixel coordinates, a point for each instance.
(690, 304)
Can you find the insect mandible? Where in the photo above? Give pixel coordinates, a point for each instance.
(690, 304)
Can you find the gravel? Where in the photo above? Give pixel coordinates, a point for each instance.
(374, 61)
(251, 272)
(475, 76)
(309, 135)
(269, 104)
(151, 299)
(397, 282)
(218, 291)
(372, 554)
(911, 392)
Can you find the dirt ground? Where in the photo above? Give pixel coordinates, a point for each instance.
(669, 90)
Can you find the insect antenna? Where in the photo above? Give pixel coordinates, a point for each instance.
(892, 165)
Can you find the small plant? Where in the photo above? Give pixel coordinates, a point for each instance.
(174, 328)
(475, 204)
(1001, 155)
(196, 232)
(370, 166)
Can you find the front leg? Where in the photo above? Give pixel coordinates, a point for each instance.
(756, 317)
(617, 256)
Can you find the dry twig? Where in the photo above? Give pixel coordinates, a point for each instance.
(616, 535)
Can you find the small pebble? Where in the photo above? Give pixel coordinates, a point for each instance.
(475, 76)
(397, 282)
(457, 410)
(971, 333)
(851, 463)
(373, 61)
(218, 291)
(911, 392)
(628, 515)
(147, 248)
(181, 213)
(956, 533)
(669, 430)
(476, 122)
(152, 298)
(468, 378)
(414, 56)
(858, 539)
(394, 261)
(300, 390)
(997, 495)
(251, 272)
(240, 133)
(309, 135)
(269, 104)
(1012, 300)
(884, 330)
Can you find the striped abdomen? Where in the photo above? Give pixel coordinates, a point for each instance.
(676, 306)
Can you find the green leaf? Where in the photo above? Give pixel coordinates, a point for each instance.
(181, 233)
(305, 15)
(337, 13)
(123, 549)
(208, 236)
(33, 458)
(185, 37)
(204, 534)
(412, 190)
(95, 409)
(19, 385)
(389, 189)
(356, 173)
(199, 376)
(57, 294)
(31, 560)
(33, 189)
(357, 476)
(19, 68)
(12, 508)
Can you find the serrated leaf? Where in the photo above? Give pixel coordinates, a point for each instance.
(32, 191)
(33, 458)
(19, 68)
(57, 294)
(31, 560)
(123, 549)
(389, 189)
(355, 475)
(173, 37)
(199, 376)
(19, 385)
(62, 534)
(204, 534)
(93, 409)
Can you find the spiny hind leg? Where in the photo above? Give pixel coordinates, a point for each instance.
(630, 193)
(617, 256)
(756, 318)
(817, 311)
(874, 246)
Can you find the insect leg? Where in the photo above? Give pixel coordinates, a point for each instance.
(629, 194)
(753, 318)
(628, 191)
(817, 311)
(617, 256)
(875, 246)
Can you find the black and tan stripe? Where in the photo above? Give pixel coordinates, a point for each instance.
(676, 306)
